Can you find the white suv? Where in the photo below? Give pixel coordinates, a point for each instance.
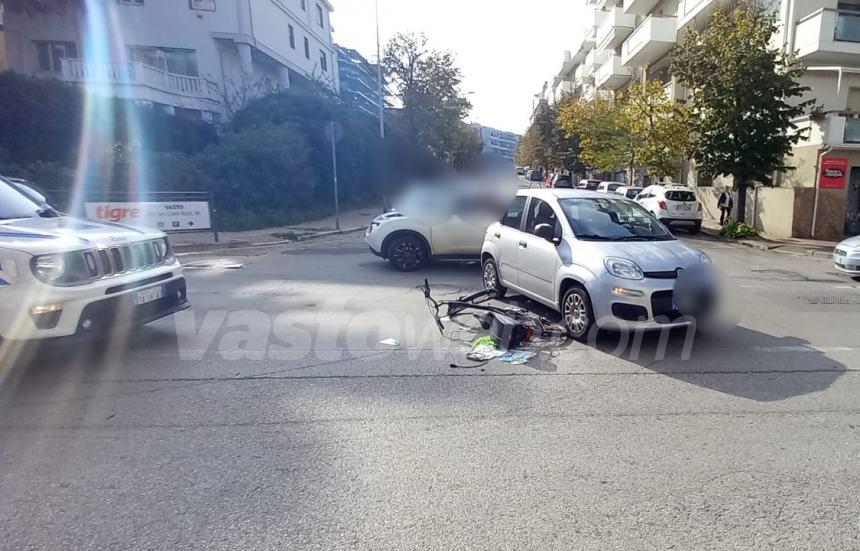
(410, 244)
(673, 204)
(61, 276)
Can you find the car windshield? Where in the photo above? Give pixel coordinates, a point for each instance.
(599, 219)
(633, 192)
(14, 204)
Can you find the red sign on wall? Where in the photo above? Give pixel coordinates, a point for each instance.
(834, 173)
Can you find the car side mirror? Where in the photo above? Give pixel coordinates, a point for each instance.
(545, 231)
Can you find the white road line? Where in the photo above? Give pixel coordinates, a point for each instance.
(824, 349)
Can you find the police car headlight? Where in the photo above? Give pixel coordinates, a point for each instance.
(165, 251)
(49, 267)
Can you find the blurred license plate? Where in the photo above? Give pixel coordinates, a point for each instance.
(684, 207)
(149, 295)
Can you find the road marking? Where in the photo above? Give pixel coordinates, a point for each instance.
(821, 349)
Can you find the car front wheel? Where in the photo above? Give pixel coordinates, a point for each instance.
(408, 253)
(492, 279)
(576, 313)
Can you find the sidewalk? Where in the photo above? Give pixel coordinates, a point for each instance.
(785, 245)
(350, 220)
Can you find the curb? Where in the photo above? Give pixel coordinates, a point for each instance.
(203, 247)
(183, 250)
(781, 248)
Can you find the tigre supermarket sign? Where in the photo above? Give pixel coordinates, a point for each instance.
(165, 216)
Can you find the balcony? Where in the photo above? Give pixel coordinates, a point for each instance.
(829, 36)
(639, 7)
(139, 81)
(691, 11)
(616, 26)
(649, 42)
(612, 75)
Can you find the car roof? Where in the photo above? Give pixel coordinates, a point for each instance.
(560, 193)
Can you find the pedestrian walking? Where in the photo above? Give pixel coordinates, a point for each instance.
(725, 204)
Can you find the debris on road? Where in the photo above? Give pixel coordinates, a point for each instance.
(517, 357)
(484, 349)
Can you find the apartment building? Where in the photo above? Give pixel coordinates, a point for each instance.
(625, 41)
(498, 142)
(194, 58)
(358, 80)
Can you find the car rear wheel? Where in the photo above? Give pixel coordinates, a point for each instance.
(696, 228)
(408, 253)
(576, 313)
(492, 279)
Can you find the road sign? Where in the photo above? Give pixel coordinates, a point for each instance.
(165, 216)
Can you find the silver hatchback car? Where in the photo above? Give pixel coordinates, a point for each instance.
(598, 259)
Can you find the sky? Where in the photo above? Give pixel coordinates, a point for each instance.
(506, 49)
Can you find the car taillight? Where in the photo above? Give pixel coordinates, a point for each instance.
(700, 206)
(662, 205)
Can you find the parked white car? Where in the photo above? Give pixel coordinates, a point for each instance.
(609, 187)
(596, 258)
(61, 276)
(630, 192)
(673, 204)
(846, 256)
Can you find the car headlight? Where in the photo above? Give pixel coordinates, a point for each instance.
(623, 268)
(61, 269)
(49, 267)
(165, 250)
(704, 258)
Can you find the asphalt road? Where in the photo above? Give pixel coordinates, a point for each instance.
(270, 417)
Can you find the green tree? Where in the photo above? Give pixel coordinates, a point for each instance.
(659, 126)
(605, 138)
(546, 143)
(425, 85)
(745, 95)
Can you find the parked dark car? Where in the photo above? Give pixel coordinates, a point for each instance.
(562, 181)
(535, 176)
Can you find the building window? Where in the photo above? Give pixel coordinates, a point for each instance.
(292, 33)
(52, 54)
(307, 49)
(324, 62)
(173, 60)
(320, 16)
(202, 5)
(130, 2)
(304, 5)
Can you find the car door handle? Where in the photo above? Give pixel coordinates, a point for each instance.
(498, 234)
(523, 245)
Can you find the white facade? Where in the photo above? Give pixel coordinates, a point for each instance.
(498, 142)
(625, 39)
(200, 56)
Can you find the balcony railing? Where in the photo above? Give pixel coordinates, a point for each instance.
(651, 40)
(612, 75)
(616, 26)
(829, 36)
(133, 74)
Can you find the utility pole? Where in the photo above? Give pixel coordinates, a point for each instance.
(333, 137)
(381, 96)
